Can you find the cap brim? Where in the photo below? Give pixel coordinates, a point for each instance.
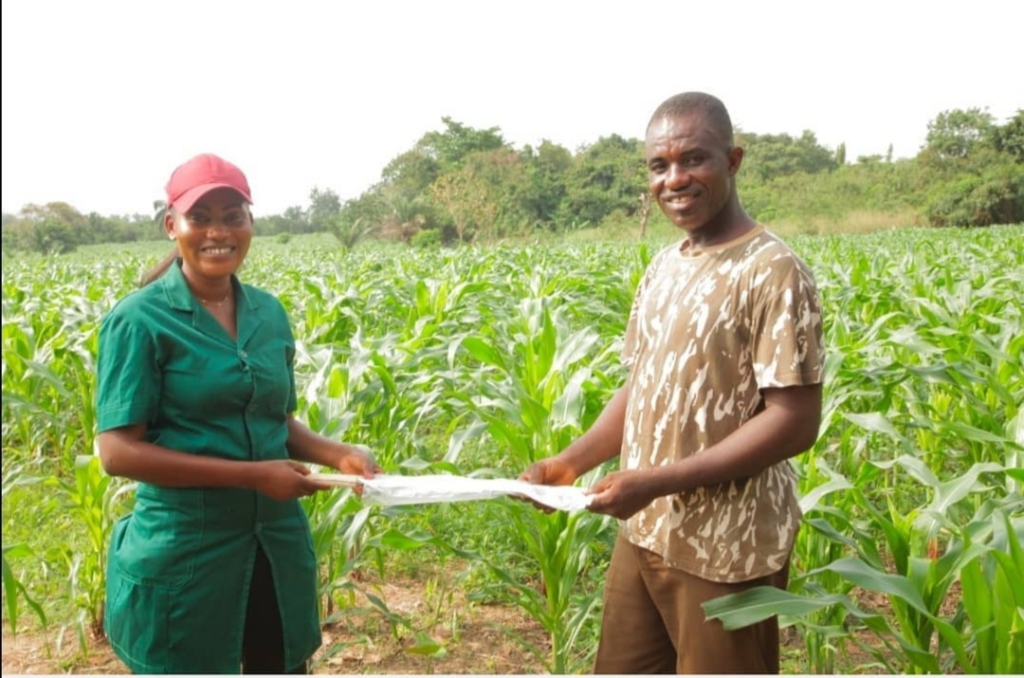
(189, 198)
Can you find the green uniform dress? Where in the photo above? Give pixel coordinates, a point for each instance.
(180, 564)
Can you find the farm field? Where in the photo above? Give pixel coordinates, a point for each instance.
(479, 361)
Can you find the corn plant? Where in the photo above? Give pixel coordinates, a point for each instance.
(478, 361)
(564, 548)
(14, 589)
(993, 595)
(924, 641)
(95, 499)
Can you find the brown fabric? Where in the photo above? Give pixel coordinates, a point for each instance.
(653, 622)
(708, 332)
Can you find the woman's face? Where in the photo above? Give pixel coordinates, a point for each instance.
(213, 236)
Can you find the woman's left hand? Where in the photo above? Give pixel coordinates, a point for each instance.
(357, 462)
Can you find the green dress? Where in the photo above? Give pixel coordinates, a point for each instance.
(180, 564)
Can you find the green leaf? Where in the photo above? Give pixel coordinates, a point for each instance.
(427, 647)
(754, 605)
(858, 572)
(484, 352)
(874, 422)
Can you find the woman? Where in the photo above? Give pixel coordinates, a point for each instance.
(214, 569)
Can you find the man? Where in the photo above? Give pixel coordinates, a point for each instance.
(724, 347)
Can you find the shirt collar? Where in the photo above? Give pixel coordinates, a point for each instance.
(180, 297)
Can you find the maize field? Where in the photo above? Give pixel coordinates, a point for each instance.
(479, 361)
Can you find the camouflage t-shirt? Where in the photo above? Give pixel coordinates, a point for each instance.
(707, 332)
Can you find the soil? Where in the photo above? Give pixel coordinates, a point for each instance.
(472, 639)
(476, 639)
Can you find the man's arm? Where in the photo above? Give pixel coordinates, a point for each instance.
(600, 443)
(786, 427)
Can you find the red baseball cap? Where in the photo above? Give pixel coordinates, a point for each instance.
(200, 175)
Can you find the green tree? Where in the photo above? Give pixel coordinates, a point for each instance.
(841, 154)
(957, 133)
(767, 156)
(324, 208)
(351, 233)
(545, 189)
(409, 174)
(292, 220)
(1009, 138)
(457, 141)
(604, 177)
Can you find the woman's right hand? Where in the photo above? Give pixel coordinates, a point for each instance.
(550, 471)
(284, 479)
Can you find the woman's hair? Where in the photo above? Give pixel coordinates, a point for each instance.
(157, 271)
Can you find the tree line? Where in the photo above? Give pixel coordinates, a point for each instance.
(462, 184)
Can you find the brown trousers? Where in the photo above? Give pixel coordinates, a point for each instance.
(653, 621)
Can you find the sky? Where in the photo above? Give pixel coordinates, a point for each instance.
(102, 99)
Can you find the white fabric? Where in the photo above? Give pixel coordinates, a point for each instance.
(396, 490)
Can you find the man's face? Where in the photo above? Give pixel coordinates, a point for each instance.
(690, 169)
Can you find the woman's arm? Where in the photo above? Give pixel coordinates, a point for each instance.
(305, 445)
(125, 452)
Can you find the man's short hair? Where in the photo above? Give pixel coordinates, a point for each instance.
(687, 103)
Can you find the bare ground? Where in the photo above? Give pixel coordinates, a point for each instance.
(448, 635)
(471, 639)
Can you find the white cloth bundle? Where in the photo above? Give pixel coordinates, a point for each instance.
(396, 490)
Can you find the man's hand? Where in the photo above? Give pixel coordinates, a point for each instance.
(621, 494)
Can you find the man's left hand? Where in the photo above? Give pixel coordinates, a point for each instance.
(621, 494)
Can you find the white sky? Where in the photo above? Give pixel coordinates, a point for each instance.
(102, 99)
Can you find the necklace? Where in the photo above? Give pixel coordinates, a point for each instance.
(215, 304)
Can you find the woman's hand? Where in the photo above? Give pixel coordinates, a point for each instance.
(284, 479)
(550, 471)
(357, 462)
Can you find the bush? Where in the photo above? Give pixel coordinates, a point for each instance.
(995, 197)
(430, 237)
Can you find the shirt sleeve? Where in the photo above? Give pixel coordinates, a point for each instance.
(128, 374)
(289, 354)
(293, 401)
(788, 342)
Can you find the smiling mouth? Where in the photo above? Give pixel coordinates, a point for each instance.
(681, 201)
(217, 251)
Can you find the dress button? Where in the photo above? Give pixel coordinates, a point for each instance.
(243, 354)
